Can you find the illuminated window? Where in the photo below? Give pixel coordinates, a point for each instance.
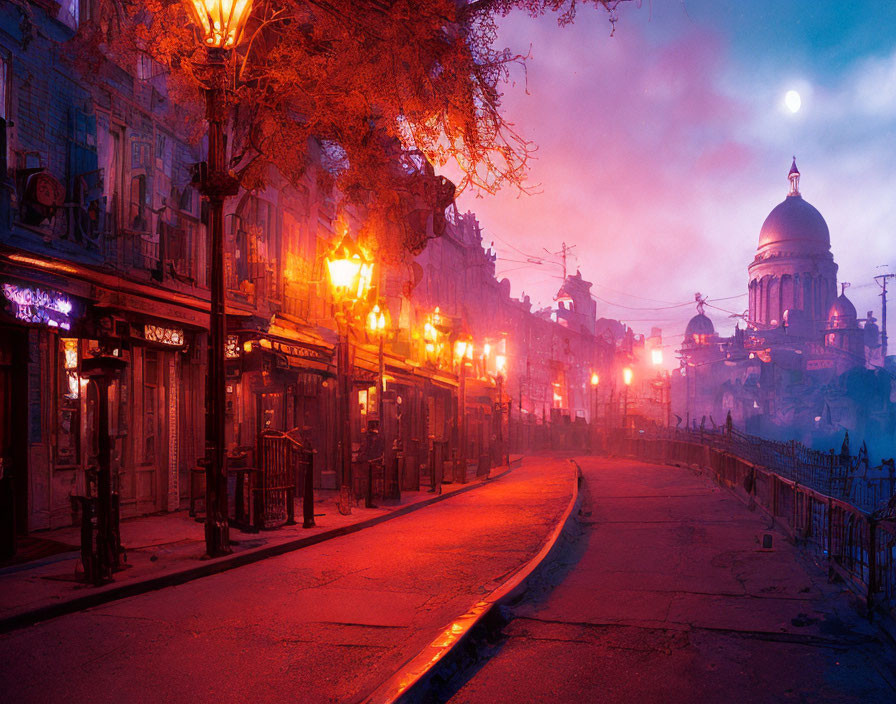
(163, 335)
(68, 423)
(232, 348)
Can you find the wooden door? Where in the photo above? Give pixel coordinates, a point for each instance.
(143, 481)
(13, 429)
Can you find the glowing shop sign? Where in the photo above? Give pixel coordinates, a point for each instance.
(232, 347)
(35, 305)
(163, 335)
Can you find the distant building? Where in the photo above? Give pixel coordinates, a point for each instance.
(803, 366)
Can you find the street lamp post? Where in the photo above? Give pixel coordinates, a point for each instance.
(376, 325)
(463, 350)
(627, 380)
(350, 276)
(595, 382)
(220, 24)
(501, 369)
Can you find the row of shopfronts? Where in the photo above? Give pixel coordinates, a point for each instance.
(281, 375)
(103, 251)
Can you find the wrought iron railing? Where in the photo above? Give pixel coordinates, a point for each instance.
(285, 465)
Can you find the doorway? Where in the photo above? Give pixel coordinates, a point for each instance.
(13, 439)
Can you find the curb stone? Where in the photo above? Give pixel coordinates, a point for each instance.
(436, 662)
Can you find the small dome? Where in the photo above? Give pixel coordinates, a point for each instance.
(796, 227)
(699, 325)
(842, 313)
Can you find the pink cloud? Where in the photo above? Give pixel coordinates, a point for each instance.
(635, 150)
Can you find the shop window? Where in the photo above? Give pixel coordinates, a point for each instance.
(253, 230)
(68, 430)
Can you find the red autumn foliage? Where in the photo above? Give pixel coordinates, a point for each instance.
(352, 85)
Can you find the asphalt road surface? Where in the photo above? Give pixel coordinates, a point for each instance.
(666, 597)
(326, 623)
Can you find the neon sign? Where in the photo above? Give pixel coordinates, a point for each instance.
(35, 305)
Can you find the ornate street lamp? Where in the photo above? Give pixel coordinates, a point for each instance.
(377, 327)
(350, 277)
(463, 351)
(220, 24)
(595, 385)
(627, 380)
(500, 371)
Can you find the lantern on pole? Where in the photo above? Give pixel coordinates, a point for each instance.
(221, 22)
(351, 275)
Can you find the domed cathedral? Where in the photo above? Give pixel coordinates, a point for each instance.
(794, 269)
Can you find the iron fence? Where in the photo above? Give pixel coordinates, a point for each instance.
(285, 469)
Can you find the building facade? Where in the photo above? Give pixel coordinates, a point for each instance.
(103, 250)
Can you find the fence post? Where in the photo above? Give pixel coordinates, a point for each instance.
(872, 566)
(308, 498)
(290, 506)
(830, 529)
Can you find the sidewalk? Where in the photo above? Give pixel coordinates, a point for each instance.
(167, 549)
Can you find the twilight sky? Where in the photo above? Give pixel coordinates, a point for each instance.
(662, 149)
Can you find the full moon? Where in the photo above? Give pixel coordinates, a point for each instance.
(793, 101)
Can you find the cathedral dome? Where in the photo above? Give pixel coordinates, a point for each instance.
(699, 325)
(794, 226)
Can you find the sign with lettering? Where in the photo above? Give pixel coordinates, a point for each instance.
(813, 364)
(300, 352)
(36, 305)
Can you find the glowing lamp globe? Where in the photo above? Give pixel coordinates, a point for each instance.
(221, 21)
(350, 273)
(376, 320)
(595, 379)
(627, 376)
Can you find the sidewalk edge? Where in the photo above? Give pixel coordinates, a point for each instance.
(207, 568)
(412, 682)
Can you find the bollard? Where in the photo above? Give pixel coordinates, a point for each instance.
(308, 498)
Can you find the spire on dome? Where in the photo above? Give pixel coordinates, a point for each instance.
(794, 177)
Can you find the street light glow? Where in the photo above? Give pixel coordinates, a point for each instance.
(350, 273)
(627, 376)
(220, 21)
(595, 379)
(656, 356)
